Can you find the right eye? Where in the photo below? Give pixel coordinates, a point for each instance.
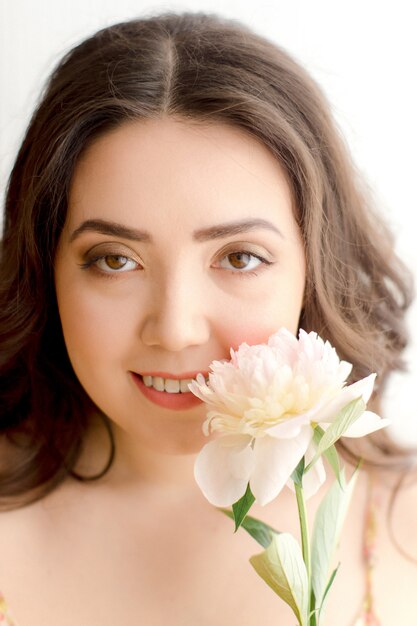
(110, 263)
(115, 263)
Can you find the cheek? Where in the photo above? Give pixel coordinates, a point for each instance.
(253, 335)
(86, 345)
(265, 317)
(95, 336)
(278, 303)
(89, 326)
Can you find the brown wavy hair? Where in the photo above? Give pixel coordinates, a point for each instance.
(200, 68)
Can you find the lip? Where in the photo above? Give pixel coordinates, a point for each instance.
(173, 401)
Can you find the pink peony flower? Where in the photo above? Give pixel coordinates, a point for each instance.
(263, 406)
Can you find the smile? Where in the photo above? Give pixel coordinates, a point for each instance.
(166, 392)
(170, 385)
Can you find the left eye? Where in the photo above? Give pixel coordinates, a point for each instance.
(115, 263)
(242, 260)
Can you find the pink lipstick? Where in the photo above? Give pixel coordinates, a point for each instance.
(173, 401)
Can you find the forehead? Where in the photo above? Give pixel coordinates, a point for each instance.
(147, 168)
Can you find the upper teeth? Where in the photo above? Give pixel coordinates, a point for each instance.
(167, 384)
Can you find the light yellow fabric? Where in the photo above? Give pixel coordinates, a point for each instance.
(5, 618)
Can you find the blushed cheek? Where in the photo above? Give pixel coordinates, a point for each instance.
(261, 327)
(252, 335)
(253, 323)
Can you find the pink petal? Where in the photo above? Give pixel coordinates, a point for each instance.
(367, 423)
(275, 460)
(223, 468)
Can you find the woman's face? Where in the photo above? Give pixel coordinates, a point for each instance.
(180, 243)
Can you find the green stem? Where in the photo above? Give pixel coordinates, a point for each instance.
(305, 543)
(305, 539)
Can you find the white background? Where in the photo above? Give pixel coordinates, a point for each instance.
(362, 52)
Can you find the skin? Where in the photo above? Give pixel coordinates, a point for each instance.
(173, 304)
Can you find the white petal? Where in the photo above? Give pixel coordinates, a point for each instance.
(313, 480)
(362, 388)
(367, 423)
(315, 477)
(275, 460)
(223, 468)
(289, 428)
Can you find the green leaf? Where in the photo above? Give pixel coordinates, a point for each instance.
(261, 532)
(327, 528)
(298, 473)
(242, 506)
(282, 567)
(331, 453)
(314, 614)
(332, 456)
(329, 584)
(347, 416)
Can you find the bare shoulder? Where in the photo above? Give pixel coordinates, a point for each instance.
(31, 550)
(399, 500)
(18, 528)
(14, 516)
(27, 532)
(396, 550)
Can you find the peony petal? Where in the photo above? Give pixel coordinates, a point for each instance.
(275, 460)
(289, 428)
(367, 423)
(364, 387)
(329, 411)
(313, 480)
(285, 346)
(315, 477)
(223, 468)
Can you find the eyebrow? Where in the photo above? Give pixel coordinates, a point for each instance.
(105, 227)
(217, 231)
(234, 228)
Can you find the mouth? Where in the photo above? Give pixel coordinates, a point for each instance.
(170, 383)
(170, 393)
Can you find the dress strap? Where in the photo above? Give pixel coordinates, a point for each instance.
(5, 618)
(367, 615)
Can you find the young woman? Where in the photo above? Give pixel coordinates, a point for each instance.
(182, 188)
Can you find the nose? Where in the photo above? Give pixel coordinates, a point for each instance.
(176, 317)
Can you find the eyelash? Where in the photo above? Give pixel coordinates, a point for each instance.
(91, 264)
(243, 273)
